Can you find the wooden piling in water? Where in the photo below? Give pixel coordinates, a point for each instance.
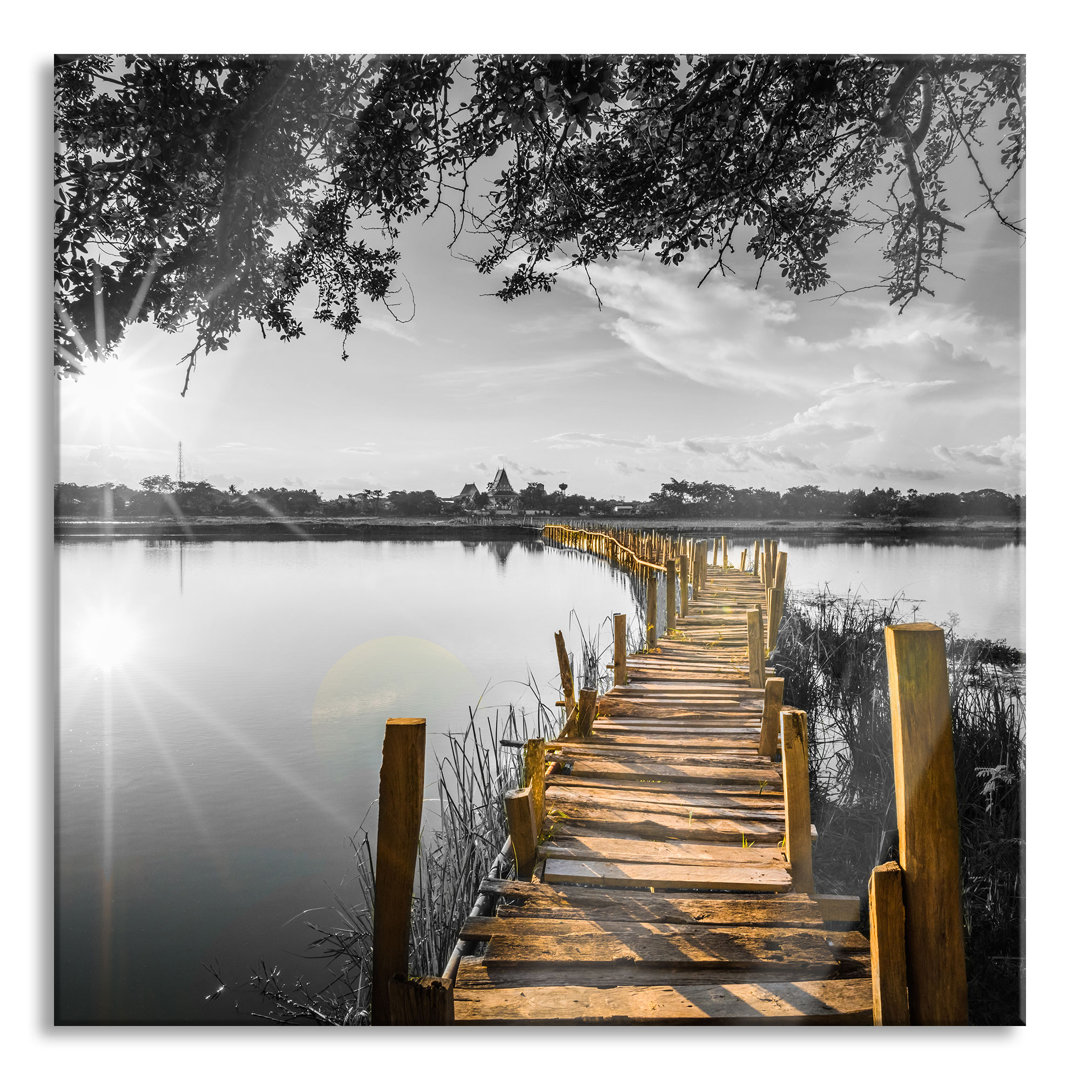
(566, 675)
(926, 818)
(684, 585)
(669, 581)
(650, 610)
(715, 550)
(723, 553)
(401, 793)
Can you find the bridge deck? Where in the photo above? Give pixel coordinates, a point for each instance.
(661, 892)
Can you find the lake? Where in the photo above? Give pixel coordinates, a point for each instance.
(222, 708)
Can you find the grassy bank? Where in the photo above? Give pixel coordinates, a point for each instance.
(831, 653)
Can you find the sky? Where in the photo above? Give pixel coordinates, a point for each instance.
(726, 383)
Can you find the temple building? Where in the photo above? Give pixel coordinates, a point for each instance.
(501, 497)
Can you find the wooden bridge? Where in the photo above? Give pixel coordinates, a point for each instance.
(663, 845)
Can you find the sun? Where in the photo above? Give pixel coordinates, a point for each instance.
(112, 399)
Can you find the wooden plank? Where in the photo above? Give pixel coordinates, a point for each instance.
(837, 1001)
(733, 778)
(716, 876)
(675, 792)
(535, 942)
(542, 900)
(838, 909)
(592, 847)
(649, 825)
(673, 756)
(888, 963)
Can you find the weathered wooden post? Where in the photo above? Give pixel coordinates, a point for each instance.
(586, 711)
(742, 561)
(757, 550)
(888, 962)
(780, 573)
(715, 550)
(755, 650)
(774, 599)
(618, 626)
(684, 585)
(521, 818)
(533, 776)
(723, 553)
(770, 717)
(797, 845)
(926, 818)
(650, 610)
(427, 999)
(669, 578)
(566, 675)
(401, 793)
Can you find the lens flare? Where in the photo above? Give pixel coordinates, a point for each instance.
(108, 638)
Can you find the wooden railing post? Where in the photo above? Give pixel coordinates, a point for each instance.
(715, 550)
(770, 717)
(888, 962)
(401, 793)
(755, 650)
(742, 561)
(618, 629)
(684, 585)
(669, 579)
(775, 607)
(780, 574)
(533, 776)
(650, 611)
(757, 552)
(926, 819)
(521, 819)
(427, 999)
(566, 674)
(723, 552)
(586, 711)
(797, 799)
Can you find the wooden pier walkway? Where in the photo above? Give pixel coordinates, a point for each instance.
(662, 891)
(663, 845)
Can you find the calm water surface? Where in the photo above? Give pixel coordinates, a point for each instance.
(221, 715)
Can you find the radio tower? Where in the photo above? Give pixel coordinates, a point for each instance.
(179, 463)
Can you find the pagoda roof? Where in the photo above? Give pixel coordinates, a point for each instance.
(501, 482)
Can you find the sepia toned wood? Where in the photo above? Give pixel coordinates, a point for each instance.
(401, 792)
(566, 674)
(672, 611)
(728, 877)
(684, 585)
(715, 550)
(837, 1001)
(602, 848)
(926, 818)
(618, 629)
(586, 711)
(888, 960)
(650, 611)
(797, 844)
(522, 823)
(836, 908)
(757, 554)
(780, 575)
(770, 717)
(742, 560)
(775, 601)
(755, 649)
(723, 552)
(427, 1000)
(533, 775)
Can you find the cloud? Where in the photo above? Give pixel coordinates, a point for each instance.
(1008, 452)
(390, 327)
(364, 448)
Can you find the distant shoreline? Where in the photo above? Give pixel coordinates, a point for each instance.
(429, 528)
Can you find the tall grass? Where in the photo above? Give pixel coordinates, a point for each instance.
(831, 653)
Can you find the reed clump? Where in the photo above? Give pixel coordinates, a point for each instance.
(831, 653)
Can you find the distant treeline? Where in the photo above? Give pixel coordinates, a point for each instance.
(160, 496)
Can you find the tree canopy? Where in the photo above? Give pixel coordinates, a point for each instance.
(209, 190)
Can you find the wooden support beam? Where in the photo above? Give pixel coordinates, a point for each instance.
(757, 553)
(401, 794)
(427, 1000)
(888, 962)
(533, 776)
(775, 601)
(650, 610)
(770, 717)
(715, 550)
(755, 647)
(522, 822)
(566, 674)
(723, 552)
(780, 573)
(797, 842)
(742, 561)
(618, 631)
(684, 585)
(669, 577)
(586, 711)
(926, 818)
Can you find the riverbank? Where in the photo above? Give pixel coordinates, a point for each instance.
(459, 528)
